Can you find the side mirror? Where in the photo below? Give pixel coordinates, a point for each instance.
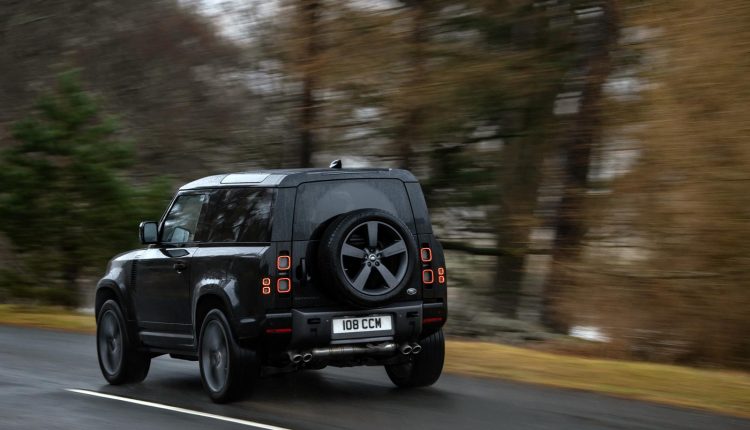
(148, 232)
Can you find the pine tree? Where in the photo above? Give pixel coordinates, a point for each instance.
(64, 204)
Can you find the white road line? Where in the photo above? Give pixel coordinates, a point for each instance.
(176, 409)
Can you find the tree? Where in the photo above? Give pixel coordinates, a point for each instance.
(309, 11)
(664, 267)
(63, 202)
(176, 83)
(598, 40)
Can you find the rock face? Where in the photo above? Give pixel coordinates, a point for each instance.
(469, 317)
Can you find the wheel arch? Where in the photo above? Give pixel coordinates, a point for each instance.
(109, 290)
(205, 302)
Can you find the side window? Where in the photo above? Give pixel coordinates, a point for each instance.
(240, 215)
(182, 222)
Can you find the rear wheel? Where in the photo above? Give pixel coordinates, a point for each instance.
(228, 370)
(119, 360)
(425, 368)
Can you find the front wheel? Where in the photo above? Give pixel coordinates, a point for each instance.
(425, 368)
(119, 360)
(227, 369)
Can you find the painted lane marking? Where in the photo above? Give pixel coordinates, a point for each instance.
(176, 409)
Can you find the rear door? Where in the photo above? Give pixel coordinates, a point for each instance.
(319, 203)
(162, 292)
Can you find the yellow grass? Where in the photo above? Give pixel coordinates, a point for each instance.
(47, 317)
(713, 390)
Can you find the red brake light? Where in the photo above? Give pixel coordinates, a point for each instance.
(425, 254)
(266, 290)
(284, 262)
(432, 320)
(283, 285)
(427, 276)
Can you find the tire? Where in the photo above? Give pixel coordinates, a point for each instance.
(119, 359)
(228, 370)
(363, 268)
(425, 368)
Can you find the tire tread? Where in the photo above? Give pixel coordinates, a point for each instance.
(425, 368)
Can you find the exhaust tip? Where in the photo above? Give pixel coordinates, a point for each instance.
(306, 357)
(416, 348)
(295, 357)
(406, 349)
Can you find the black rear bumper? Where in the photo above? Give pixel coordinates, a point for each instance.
(314, 327)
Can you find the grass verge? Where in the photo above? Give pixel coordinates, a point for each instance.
(720, 391)
(50, 317)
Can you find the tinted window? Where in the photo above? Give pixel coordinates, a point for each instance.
(181, 224)
(318, 202)
(240, 215)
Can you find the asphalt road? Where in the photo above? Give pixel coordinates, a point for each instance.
(39, 368)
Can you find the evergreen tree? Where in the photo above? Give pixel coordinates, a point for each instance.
(64, 203)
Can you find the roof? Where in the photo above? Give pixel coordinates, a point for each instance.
(294, 177)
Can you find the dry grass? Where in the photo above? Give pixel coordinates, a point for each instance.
(714, 390)
(49, 317)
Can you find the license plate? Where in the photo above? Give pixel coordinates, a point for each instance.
(362, 324)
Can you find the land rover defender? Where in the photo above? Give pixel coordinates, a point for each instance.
(291, 269)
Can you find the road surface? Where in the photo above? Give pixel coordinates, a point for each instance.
(38, 370)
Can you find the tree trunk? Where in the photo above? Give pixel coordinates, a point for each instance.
(71, 272)
(570, 226)
(309, 10)
(507, 292)
(408, 134)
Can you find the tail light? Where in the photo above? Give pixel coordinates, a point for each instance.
(428, 277)
(425, 254)
(266, 286)
(441, 275)
(283, 285)
(283, 263)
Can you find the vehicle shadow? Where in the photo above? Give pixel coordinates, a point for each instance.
(329, 398)
(360, 384)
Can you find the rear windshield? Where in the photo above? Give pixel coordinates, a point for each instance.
(238, 215)
(319, 202)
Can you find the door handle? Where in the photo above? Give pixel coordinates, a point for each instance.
(179, 266)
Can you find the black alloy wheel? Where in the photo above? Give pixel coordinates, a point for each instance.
(215, 354)
(119, 360)
(228, 370)
(110, 342)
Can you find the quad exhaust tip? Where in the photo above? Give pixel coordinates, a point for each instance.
(297, 357)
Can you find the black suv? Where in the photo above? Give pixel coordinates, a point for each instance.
(280, 268)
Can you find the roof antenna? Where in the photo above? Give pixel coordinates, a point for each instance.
(335, 164)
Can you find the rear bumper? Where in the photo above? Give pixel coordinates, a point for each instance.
(314, 327)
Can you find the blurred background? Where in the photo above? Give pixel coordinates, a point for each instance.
(585, 162)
